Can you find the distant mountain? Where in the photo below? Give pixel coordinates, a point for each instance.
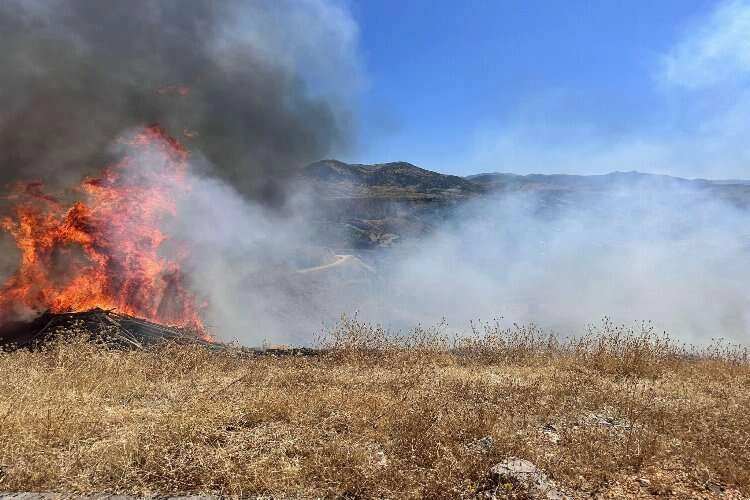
(336, 179)
(566, 181)
(399, 180)
(555, 187)
(496, 180)
(370, 206)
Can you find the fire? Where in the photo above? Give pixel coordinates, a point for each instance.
(105, 249)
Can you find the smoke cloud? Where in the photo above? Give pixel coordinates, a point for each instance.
(254, 86)
(636, 248)
(674, 255)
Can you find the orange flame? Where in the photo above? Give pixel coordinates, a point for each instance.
(105, 251)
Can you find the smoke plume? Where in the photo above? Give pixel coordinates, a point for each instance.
(671, 253)
(248, 84)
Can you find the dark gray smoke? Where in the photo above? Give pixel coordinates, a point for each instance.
(245, 83)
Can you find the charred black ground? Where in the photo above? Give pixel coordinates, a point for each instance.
(115, 329)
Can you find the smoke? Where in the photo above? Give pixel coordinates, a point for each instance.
(636, 251)
(256, 87)
(245, 260)
(629, 247)
(256, 90)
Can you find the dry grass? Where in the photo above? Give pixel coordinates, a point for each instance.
(380, 416)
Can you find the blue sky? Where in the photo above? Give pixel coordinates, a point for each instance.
(555, 86)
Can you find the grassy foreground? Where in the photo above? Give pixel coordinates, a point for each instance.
(618, 412)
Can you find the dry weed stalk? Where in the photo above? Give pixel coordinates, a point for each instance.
(618, 411)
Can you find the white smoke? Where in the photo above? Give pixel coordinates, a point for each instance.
(671, 253)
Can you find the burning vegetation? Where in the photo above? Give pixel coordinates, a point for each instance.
(105, 249)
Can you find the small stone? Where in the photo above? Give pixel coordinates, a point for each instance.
(550, 432)
(379, 458)
(643, 482)
(602, 419)
(714, 487)
(528, 474)
(515, 467)
(482, 444)
(609, 421)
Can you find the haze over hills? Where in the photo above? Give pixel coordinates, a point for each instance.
(556, 250)
(497, 179)
(401, 179)
(371, 206)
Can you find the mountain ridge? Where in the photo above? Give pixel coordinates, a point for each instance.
(404, 174)
(385, 179)
(366, 206)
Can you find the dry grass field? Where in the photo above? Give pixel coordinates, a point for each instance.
(619, 412)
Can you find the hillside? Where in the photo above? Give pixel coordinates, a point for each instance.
(372, 206)
(734, 191)
(397, 180)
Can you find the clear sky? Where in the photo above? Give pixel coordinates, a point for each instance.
(550, 86)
